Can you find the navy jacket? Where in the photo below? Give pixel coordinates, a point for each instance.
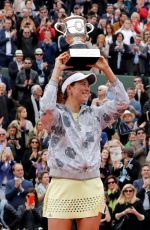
(3, 41)
(15, 196)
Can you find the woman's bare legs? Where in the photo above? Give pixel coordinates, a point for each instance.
(89, 223)
(56, 224)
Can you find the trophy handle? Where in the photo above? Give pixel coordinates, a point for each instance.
(90, 26)
(59, 24)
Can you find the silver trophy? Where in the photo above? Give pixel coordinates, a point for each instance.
(74, 29)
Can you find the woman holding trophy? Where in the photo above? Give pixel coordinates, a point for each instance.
(76, 190)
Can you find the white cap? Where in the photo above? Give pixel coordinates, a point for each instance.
(18, 53)
(38, 51)
(127, 112)
(78, 77)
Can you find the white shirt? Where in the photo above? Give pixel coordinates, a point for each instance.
(8, 43)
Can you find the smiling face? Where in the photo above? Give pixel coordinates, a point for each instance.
(128, 193)
(79, 92)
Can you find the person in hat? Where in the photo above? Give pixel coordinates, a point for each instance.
(14, 67)
(126, 126)
(41, 67)
(76, 190)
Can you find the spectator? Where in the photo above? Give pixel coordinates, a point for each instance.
(109, 15)
(3, 139)
(42, 161)
(147, 62)
(136, 24)
(29, 217)
(113, 192)
(77, 10)
(30, 159)
(5, 80)
(43, 13)
(129, 208)
(32, 104)
(9, 218)
(145, 174)
(128, 169)
(134, 105)
(146, 35)
(27, 41)
(13, 140)
(118, 53)
(1, 19)
(41, 67)
(143, 192)
(127, 32)
(25, 79)
(126, 126)
(15, 188)
(109, 35)
(96, 31)
(101, 45)
(146, 116)
(43, 178)
(120, 5)
(49, 49)
(25, 126)
(7, 43)
(102, 23)
(40, 132)
(139, 54)
(14, 67)
(7, 107)
(102, 96)
(43, 182)
(6, 164)
(19, 5)
(46, 24)
(139, 146)
(105, 165)
(140, 94)
(117, 25)
(117, 13)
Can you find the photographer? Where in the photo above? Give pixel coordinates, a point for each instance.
(29, 217)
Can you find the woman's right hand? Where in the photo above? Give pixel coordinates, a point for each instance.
(61, 60)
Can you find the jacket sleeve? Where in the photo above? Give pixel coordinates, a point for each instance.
(110, 111)
(48, 109)
(11, 214)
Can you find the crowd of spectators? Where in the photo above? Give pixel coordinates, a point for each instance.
(29, 44)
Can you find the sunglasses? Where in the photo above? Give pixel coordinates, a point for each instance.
(39, 54)
(2, 134)
(34, 142)
(128, 190)
(111, 182)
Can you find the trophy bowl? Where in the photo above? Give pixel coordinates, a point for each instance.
(74, 29)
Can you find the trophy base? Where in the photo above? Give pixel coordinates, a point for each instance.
(80, 58)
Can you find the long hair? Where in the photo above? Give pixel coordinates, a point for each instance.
(122, 199)
(19, 110)
(14, 125)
